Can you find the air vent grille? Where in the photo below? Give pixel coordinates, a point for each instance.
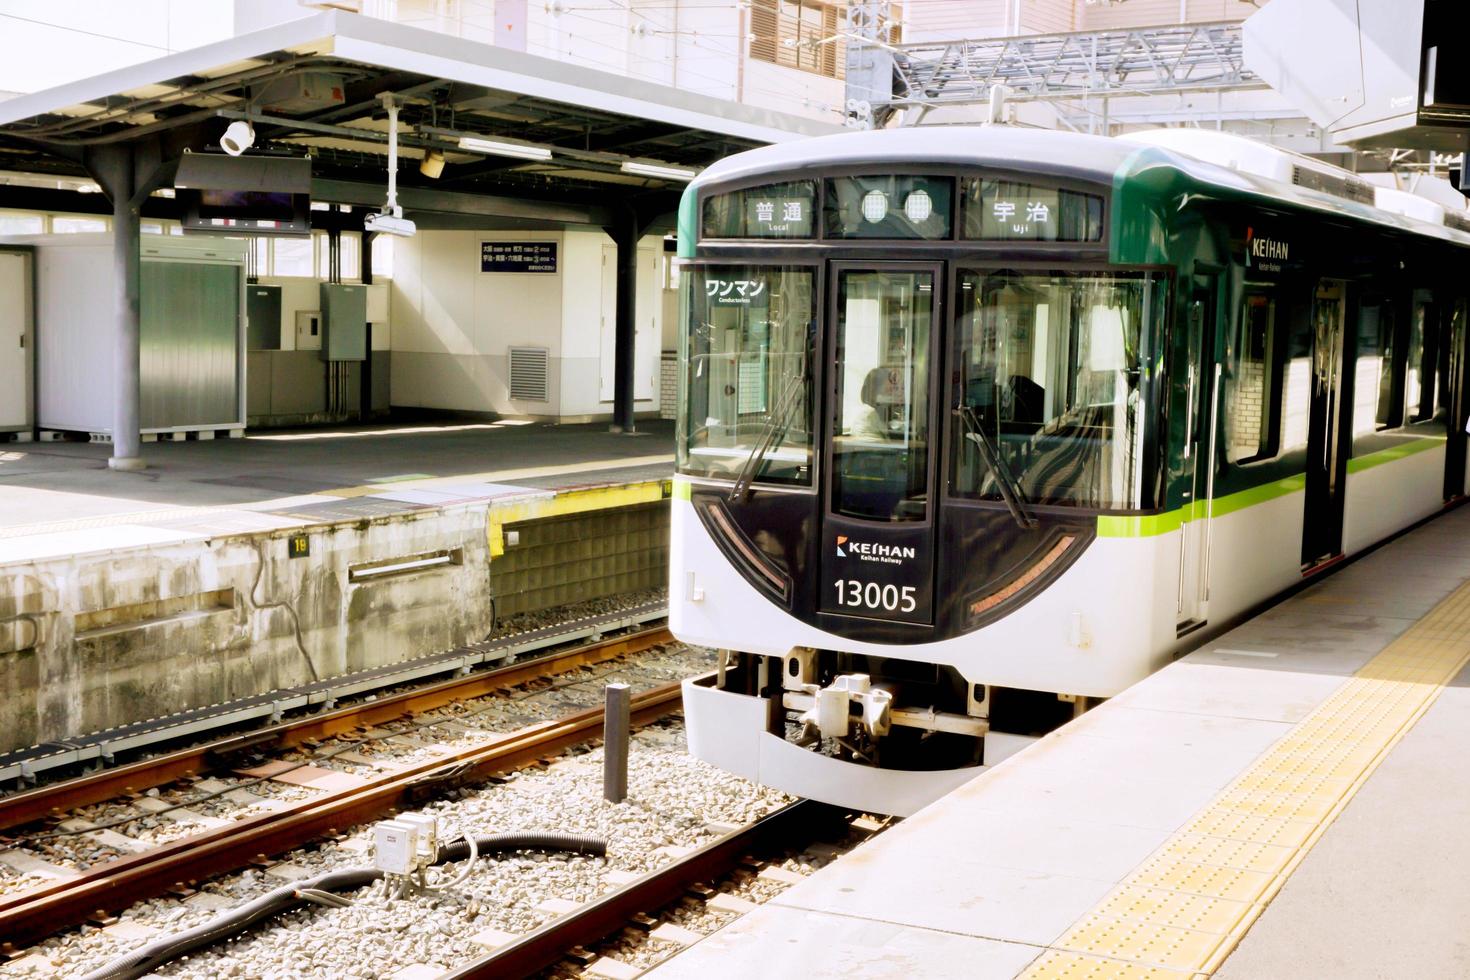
(1346, 187)
(529, 371)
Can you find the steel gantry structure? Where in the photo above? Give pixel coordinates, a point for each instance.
(1167, 59)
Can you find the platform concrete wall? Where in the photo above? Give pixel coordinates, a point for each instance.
(96, 641)
(91, 642)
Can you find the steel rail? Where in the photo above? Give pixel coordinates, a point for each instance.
(56, 798)
(791, 826)
(29, 916)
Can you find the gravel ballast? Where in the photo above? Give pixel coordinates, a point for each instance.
(672, 799)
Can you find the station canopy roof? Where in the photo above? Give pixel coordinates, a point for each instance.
(313, 85)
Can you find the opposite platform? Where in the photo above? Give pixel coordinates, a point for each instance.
(233, 569)
(1277, 803)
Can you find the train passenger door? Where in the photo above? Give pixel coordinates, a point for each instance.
(1326, 467)
(881, 417)
(1459, 400)
(1201, 396)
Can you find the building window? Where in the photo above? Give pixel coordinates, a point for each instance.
(292, 257)
(69, 226)
(383, 256)
(799, 34)
(20, 223)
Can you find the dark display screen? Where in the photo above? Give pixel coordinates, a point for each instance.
(773, 211)
(1003, 210)
(888, 206)
(256, 205)
(214, 211)
(1446, 70)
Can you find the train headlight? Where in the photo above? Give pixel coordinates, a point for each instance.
(918, 206)
(875, 206)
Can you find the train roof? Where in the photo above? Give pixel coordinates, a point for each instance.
(1211, 165)
(1085, 157)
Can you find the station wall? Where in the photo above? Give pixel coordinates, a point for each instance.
(289, 386)
(453, 324)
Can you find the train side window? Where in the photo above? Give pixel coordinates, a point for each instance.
(1253, 394)
(1295, 380)
(1420, 390)
(1374, 407)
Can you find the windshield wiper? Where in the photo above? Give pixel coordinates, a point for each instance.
(1010, 488)
(771, 435)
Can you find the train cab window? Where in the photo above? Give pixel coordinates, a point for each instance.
(880, 432)
(747, 390)
(1048, 387)
(1251, 432)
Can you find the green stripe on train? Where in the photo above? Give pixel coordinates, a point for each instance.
(1392, 453)
(1148, 525)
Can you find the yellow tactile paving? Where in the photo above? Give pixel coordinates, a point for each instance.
(1186, 907)
(1076, 966)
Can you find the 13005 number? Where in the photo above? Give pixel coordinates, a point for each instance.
(871, 595)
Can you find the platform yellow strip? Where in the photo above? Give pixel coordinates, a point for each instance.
(1184, 910)
(564, 502)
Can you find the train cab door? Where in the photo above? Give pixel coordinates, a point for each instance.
(1201, 398)
(881, 420)
(1326, 466)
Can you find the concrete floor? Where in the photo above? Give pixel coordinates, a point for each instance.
(46, 483)
(1384, 894)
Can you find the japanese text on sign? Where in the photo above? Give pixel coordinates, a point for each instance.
(518, 256)
(734, 292)
(1007, 210)
(779, 218)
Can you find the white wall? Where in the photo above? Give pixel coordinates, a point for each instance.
(52, 42)
(452, 323)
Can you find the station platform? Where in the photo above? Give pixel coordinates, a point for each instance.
(1289, 800)
(61, 498)
(237, 568)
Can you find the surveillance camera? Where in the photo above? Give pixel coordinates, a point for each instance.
(238, 138)
(389, 224)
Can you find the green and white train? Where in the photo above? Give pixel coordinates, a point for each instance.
(981, 424)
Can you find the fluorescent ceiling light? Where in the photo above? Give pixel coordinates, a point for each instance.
(521, 151)
(658, 170)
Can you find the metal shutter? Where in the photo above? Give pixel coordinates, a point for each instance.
(529, 371)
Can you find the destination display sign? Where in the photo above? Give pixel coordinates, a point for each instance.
(518, 257)
(770, 211)
(1004, 210)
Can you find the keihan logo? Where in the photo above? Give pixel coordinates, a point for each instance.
(868, 551)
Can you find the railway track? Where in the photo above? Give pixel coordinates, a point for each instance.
(29, 915)
(567, 938)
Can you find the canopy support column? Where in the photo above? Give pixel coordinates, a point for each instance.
(113, 168)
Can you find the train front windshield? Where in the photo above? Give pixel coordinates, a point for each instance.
(1048, 373)
(748, 397)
